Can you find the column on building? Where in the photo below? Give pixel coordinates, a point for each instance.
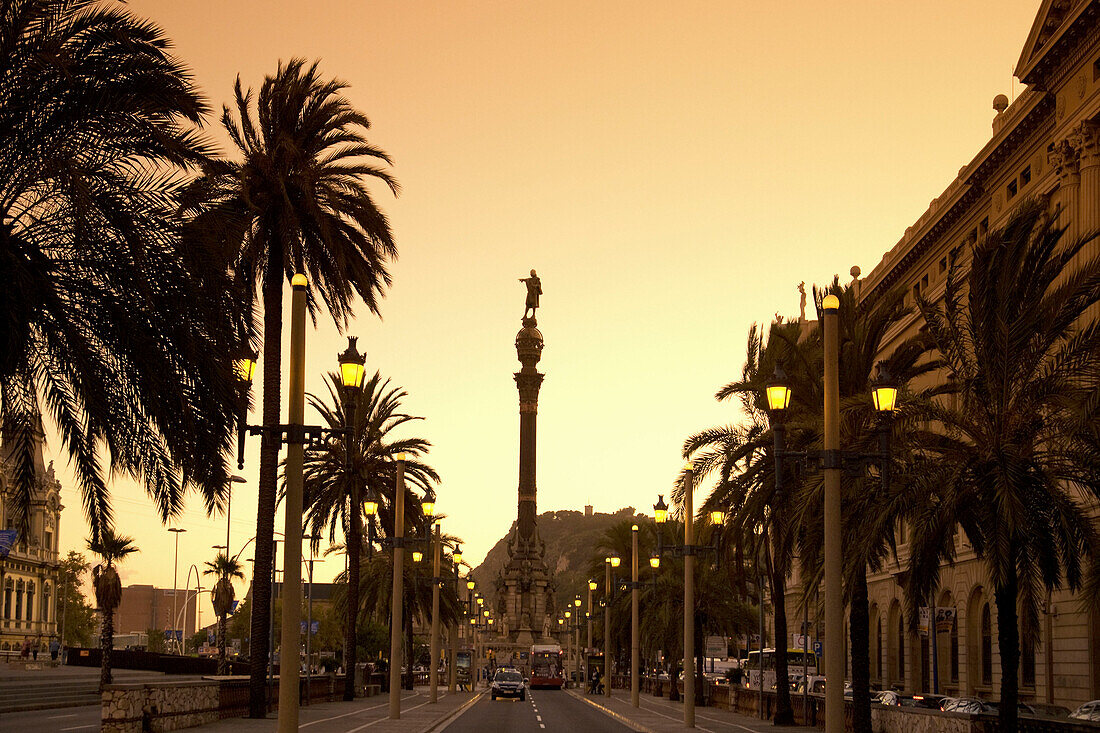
(1086, 139)
(1063, 159)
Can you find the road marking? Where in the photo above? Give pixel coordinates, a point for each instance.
(353, 712)
(80, 727)
(541, 725)
(59, 717)
(697, 715)
(380, 720)
(538, 718)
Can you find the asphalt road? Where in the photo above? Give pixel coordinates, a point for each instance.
(554, 711)
(58, 720)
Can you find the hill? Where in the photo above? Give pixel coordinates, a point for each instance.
(571, 539)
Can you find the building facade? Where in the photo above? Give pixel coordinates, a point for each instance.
(1044, 145)
(145, 607)
(28, 575)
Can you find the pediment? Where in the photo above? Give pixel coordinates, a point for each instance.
(1053, 18)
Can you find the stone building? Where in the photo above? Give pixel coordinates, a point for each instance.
(1045, 144)
(28, 575)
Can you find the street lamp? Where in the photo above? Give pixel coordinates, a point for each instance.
(398, 589)
(607, 565)
(833, 459)
(635, 640)
(589, 649)
(175, 568)
(660, 510)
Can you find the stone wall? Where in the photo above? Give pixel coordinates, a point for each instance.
(159, 706)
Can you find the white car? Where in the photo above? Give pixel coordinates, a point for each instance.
(1089, 711)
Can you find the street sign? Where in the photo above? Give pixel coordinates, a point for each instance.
(314, 628)
(716, 647)
(800, 641)
(818, 648)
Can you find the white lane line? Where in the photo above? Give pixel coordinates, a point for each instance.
(538, 718)
(719, 721)
(353, 712)
(59, 717)
(380, 720)
(541, 725)
(80, 727)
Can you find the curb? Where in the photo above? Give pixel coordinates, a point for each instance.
(612, 714)
(440, 725)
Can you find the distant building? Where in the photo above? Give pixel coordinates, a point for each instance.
(28, 575)
(145, 607)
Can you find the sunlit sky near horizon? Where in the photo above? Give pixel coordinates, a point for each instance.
(672, 170)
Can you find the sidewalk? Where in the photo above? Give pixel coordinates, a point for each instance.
(369, 713)
(658, 715)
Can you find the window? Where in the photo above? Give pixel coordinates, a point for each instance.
(955, 652)
(987, 646)
(30, 601)
(953, 255)
(1011, 189)
(983, 226)
(1025, 176)
(7, 599)
(18, 601)
(878, 648)
(924, 283)
(49, 542)
(943, 264)
(901, 649)
(1027, 665)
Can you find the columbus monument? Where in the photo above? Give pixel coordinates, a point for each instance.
(525, 588)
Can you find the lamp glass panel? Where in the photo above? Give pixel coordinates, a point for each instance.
(717, 517)
(660, 515)
(244, 368)
(654, 562)
(779, 396)
(417, 555)
(351, 374)
(370, 508)
(428, 508)
(615, 560)
(470, 584)
(885, 397)
(457, 557)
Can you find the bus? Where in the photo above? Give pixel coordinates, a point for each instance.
(794, 667)
(547, 669)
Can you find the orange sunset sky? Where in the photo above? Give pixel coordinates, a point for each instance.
(673, 170)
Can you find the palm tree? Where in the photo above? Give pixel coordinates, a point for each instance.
(225, 569)
(111, 548)
(746, 491)
(335, 478)
(297, 202)
(106, 323)
(1011, 456)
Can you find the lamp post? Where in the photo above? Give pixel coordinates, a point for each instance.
(833, 459)
(609, 563)
(592, 585)
(175, 569)
(689, 600)
(433, 666)
(635, 641)
(398, 589)
(351, 379)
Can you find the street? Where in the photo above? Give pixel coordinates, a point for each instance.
(555, 711)
(56, 720)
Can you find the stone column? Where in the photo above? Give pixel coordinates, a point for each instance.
(1086, 138)
(1063, 158)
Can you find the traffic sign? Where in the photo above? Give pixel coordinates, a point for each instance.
(818, 648)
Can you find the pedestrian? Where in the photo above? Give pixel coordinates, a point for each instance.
(55, 647)
(34, 648)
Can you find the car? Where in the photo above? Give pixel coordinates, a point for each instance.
(969, 705)
(887, 697)
(1047, 710)
(922, 700)
(508, 683)
(1090, 711)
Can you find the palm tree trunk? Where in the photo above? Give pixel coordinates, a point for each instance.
(355, 544)
(265, 507)
(859, 627)
(106, 642)
(1008, 636)
(223, 665)
(784, 714)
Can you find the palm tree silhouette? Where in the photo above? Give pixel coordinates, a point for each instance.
(111, 548)
(297, 201)
(106, 323)
(225, 569)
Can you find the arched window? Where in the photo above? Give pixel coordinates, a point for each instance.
(878, 649)
(901, 650)
(18, 600)
(30, 601)
(8, 588)
(45, 602)
(1027, 664)
(987, 646)
(955, 651)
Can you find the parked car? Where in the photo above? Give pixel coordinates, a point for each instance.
(1090, 711)
(1047, 710)
(923, 700)
(971, 705)
(887, 697)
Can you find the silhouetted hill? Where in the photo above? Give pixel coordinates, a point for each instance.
(571, 539)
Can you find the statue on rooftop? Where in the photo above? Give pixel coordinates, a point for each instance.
(534, 290)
